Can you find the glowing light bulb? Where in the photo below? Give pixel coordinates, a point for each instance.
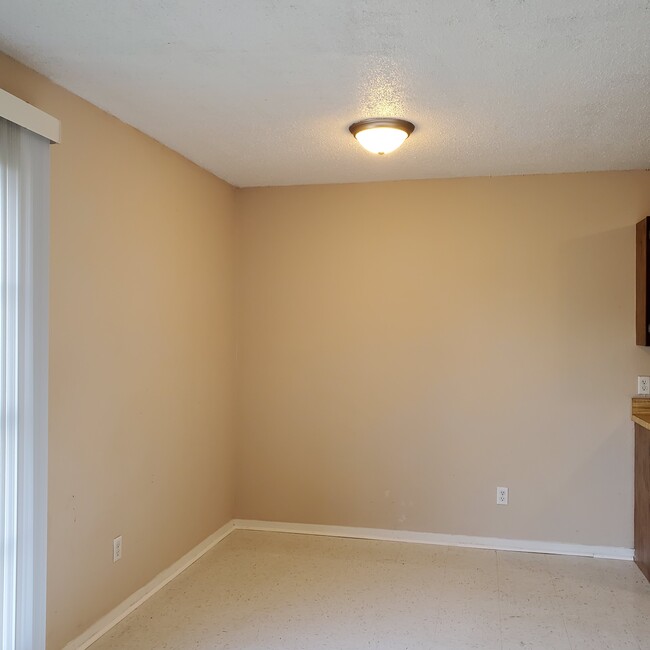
(381, 135)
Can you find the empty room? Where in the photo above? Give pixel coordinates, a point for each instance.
(325, 325)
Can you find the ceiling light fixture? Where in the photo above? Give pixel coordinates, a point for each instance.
(381, 134)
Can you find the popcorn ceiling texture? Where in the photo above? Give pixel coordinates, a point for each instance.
(261, 93)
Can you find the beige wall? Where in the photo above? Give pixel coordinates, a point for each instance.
(140, 356)
(405, 348)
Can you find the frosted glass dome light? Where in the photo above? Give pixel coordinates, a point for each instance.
(381, 135)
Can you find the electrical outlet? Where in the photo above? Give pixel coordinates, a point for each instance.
(502, 496)
(117, 548)
(643, 385)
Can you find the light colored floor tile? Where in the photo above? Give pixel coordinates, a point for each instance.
(275, 591)
(422, 555)
(529, 626)
(598, 632)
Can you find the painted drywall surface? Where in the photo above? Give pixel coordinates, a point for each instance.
(405, 348)
(140, 356)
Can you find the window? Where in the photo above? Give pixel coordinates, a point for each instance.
(24, 255)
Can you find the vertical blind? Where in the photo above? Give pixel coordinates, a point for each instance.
(24, 260)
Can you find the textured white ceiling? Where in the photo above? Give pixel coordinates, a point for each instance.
(261, 92)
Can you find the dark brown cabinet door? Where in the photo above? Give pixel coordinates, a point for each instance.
(642, 499)
(642, 283)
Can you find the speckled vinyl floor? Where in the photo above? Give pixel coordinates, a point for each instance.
(274, 591)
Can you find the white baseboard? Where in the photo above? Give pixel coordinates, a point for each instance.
(134, 601)
(528, 546)
(494, 543)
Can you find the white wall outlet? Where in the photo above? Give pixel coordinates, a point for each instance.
(117, 548)
(502, 496)
(643, 385)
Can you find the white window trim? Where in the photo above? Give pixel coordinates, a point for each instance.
(29, 117)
